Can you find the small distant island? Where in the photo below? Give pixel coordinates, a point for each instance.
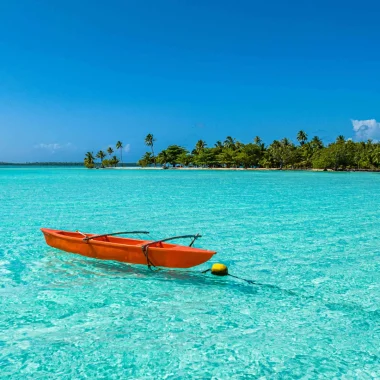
(79, 164)
(41, 163)
(342, 154)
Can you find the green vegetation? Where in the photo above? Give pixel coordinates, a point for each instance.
(112, 161)
(89, 160)
(110, 151)
(149, 141)
(281, 154)
(119, 145)
(101, 155)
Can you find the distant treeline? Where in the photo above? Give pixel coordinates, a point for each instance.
(54, 164)
(342, 154)
(42, 163)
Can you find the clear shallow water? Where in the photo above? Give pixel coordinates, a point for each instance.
(312, 237)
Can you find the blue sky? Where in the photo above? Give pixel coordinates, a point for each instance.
(80, 75)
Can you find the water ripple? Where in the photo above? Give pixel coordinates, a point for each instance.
(308, 240)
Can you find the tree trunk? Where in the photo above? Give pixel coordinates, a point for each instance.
(154, 158)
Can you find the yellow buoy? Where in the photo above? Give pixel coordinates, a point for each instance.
(219, 269)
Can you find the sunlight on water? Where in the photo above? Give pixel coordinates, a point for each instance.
(310, 239)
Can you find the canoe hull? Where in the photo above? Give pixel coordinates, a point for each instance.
(127, 250)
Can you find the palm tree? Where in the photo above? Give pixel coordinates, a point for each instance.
(227, 157)
(101, 156)
(200, 145)
(119, 145)
(218, 147)
(302, 137)
(316, 142)
(89, 160)
(147, 159)
(110, 150)
(257, 141)
(114, 161)
(149, 141)
(184, 159)
(163, 158)
(340, 139)
(375, 156)
(229, 142)
(90, 157)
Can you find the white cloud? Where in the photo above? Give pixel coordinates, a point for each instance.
(127, 148)
(366, 129)
(53, 147)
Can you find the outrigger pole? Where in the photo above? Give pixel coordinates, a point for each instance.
(115, 233)
(195, 237)
(146, 246)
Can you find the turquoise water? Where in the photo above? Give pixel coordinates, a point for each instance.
(310, 239)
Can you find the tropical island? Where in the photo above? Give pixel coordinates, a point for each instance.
(342, 154)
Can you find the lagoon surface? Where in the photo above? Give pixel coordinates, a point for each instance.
(310, 239)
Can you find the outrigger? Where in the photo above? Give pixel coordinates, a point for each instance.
(157, 253)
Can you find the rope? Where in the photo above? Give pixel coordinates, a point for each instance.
(244, 279)
(239, 278)
(148, 262)
(259, 283)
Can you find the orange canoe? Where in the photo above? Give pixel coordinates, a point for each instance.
(133, 251)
